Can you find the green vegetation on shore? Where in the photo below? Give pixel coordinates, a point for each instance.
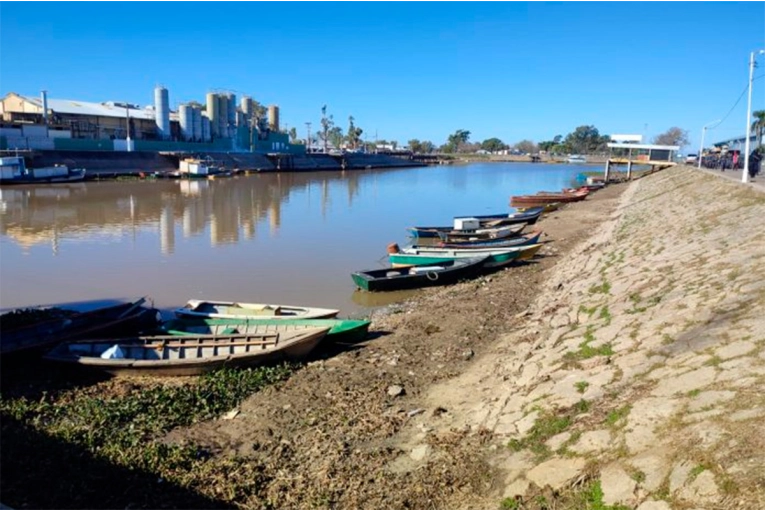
(125, 428)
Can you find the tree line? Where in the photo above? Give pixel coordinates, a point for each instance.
(585, 139)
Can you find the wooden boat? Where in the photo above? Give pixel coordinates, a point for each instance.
(231, 310)
(546, 208)
(498, 257)
(522, 240)
(480, 233)
(529, 216)
(414, 277)
(541, 200)
(340, 330)
(122, 319)
(172, 355)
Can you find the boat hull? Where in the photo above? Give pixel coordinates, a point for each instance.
(496, 257)
(402, 278)
(252, 311)
(340, 330)
(188, 355)
(122, 319)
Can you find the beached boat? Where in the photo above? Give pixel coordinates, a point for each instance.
(547, 208)
(340, 330)
(541, 200)
(122, 319)
(522, 240)
(172, 355)
(479, 233)
(255, 311)
(415, 277)
(498, 257)
(483, 234)
(530, 216)
(13, 170)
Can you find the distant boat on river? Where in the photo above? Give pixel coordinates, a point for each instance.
(14, 171)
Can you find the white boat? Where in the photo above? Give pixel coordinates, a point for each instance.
(253, 311)
(576, 158)
(14, 171)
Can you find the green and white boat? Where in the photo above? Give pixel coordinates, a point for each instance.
(340, 330)
(497, 257)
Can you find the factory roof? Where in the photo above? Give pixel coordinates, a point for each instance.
(108, 109)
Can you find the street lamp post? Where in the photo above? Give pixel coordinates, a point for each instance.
(745, 174)
(704, 132)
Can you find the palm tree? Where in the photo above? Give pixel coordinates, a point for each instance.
(758, 126)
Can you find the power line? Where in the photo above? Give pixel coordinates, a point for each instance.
(746, 87)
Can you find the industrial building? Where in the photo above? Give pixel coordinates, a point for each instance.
(43, 123)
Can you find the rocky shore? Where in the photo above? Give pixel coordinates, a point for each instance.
(623, 369)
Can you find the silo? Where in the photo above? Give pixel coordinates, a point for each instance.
(231, 113)
(162, 111)
(273, 117)
(206, 127)
(213, 113)
(241, 119)
(246, 105)
(196, 122)
(186, 120)
(223, 116)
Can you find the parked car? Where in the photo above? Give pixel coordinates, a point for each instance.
(691, 158)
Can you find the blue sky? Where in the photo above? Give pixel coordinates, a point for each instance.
(406, 69)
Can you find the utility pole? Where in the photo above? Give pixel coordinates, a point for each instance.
(308, 140)
(745, 173)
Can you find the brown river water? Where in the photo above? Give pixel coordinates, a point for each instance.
(287, 238)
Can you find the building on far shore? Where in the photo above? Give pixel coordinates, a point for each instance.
(42, 123)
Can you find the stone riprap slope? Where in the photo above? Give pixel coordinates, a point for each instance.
(640, 371)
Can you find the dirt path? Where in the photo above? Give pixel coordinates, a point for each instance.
(363, 427)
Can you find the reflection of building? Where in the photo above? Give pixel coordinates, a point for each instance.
(167, 231)
(230, 208)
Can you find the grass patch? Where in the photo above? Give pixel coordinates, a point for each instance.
(603, 288)
(587, 351)
(616, 415)
(697, 470)
(581, 386)
(547, 425)
(714, 361)
(589, 311)
(694, 393)
(605, 314)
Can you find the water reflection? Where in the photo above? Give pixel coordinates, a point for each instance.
(280, 238)
(230, 208)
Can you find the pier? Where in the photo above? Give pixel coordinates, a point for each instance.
(657, 157)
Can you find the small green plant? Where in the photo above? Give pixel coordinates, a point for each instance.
(582, 406)
(605, 314)
(697, 470)
(713, 361)
(603, 288)
(694, 393)
(510, 504)
(581, 386)
(616, 415)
